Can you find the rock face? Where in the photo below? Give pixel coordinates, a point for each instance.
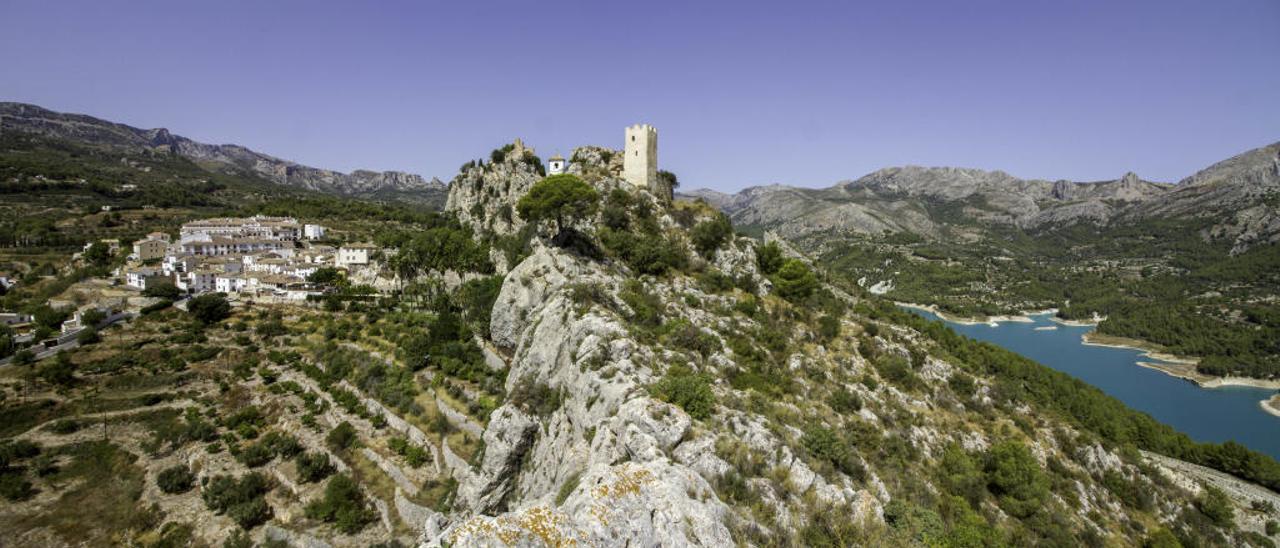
(484, 194)
(360, 183)
(1239, 195)
(609, 442)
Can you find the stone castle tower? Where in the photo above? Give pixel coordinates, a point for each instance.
(640, 159)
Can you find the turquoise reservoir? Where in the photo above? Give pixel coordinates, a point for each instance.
(1205, 414)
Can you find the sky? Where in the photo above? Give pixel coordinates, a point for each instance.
(742, 93)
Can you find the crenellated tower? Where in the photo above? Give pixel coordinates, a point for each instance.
(640, 161)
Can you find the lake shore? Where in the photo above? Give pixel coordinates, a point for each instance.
(1181, 367)
(1272, 405)
(1023, 317)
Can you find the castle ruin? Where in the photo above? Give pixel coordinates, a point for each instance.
(640, 160)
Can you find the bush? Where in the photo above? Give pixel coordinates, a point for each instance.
(255, 455)
(313, 467)
(241, 500)
(1273, 528)
(65, 426)
(844, 402)
(1015, 478)
(175, 479)
(165, 291)
(15, 487)
(828, 327)
(690, 391)
(88, 336)
(209, 308)
(827, 446)
(1215, 504)
(342, 437)
(794, 281)
(708, 236)
(769, 258)
(535, 397)
(343, 505)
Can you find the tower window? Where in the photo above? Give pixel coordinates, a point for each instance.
(633, 138)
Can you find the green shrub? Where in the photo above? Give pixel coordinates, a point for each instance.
(828, 327)
(769, 258)
(691, 392)
(1015, 478)
(342, 437)
(709, 235)
(342, 504)
(1272, 528)
(14, 486)
(88, 336)
(241, 500)
(175, 479)
(166, 291)
(313, 467)
(1215, 504)
(209, 308)
(794, 281)
(844, 401)
(826, 445)
(535, 397)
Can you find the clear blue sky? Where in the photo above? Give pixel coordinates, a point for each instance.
(804, 93)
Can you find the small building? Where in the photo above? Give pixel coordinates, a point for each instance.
(201, 280)
(14, 318)
(555, 165)
(214, 246)
(354, 255)
(313, 232)
(148, 249)
(229, 283)
(142, 278)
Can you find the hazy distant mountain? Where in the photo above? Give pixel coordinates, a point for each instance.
(935, 202)
(388, 185)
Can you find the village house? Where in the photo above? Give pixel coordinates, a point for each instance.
(257, 227)
(142, 278)
(354, 255)
(150, 248)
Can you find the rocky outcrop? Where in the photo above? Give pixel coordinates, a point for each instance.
(607, 434)
(484, 195)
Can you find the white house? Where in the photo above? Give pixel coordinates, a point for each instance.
(200, 280)
(229, 283)
(313, 232)
(353, 255)
(145, 277)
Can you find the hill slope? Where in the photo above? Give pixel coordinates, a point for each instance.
(1190, 268)
(390, 185)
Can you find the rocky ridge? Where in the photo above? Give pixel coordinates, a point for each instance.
(613, 463)
(395, 185)
(1238, 194)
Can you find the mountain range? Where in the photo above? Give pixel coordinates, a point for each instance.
(379, 185)
(945, 202)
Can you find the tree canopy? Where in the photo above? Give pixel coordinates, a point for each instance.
(561, 198)
(209, 308)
